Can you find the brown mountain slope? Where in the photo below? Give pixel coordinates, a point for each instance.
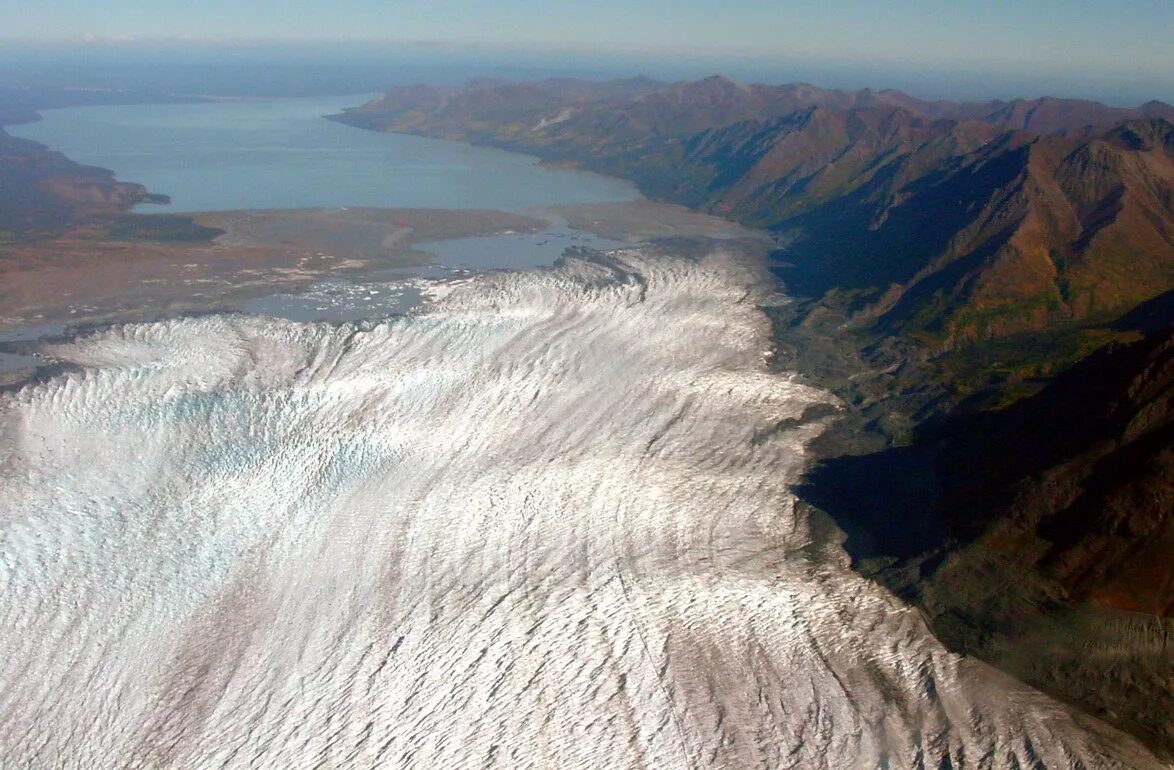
(639, 105)
(1076, 481)
(1076, 234)
(951, 231)
(1092, 478)
(627, 109)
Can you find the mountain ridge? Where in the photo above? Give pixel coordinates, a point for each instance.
(1027, 215)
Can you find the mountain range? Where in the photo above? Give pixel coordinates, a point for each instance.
(952, 223)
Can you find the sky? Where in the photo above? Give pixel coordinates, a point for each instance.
(1119, 41)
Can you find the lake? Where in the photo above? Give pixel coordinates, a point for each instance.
(282, 153)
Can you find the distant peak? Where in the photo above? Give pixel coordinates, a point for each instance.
(722, 80)
(1157, 109)
(1142, 135)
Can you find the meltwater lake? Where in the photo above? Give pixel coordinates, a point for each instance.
(282, 153)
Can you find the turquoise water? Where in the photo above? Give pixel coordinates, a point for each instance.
(281, 153)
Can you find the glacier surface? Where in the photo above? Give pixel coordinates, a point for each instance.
(543, 522)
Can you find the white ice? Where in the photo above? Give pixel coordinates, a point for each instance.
(545, 523)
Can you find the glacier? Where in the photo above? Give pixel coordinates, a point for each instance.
(544, 521)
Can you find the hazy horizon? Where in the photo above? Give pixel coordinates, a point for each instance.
(1130, 34)
(273, 68)
(1117, 52)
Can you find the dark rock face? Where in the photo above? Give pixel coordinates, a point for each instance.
(1039, 536)
(1087, 467)
(1076, 481)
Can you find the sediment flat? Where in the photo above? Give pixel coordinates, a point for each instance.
(85, 277)
(82, 278)
(98, 274)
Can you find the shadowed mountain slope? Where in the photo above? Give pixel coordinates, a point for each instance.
(1038, 537)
